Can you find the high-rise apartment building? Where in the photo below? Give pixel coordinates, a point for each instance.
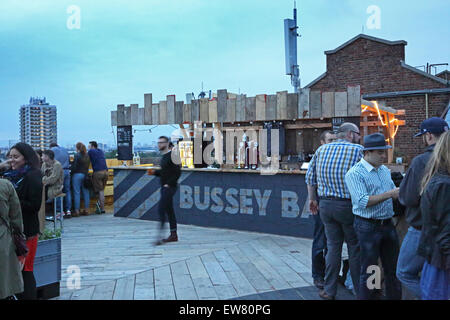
(38, 123)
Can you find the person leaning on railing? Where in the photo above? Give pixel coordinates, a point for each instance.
(100, 175)
(80, 171)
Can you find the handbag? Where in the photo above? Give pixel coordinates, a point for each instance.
(87, 182)
(19, 240)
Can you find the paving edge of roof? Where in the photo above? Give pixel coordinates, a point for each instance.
(373, 96)
(406, 66)
(403, 64)
(364, 36)
(315, 80)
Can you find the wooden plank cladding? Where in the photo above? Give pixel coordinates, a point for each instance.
(179, 106)
(250, 109)
(340, 104)
(240, 107)
(148, 109)
(222, 97)
(163, 112)
(226, 107)
(304, 111)
(327, 104)
(315, 104)
(171, 109)
(282, 105)
(354, 101)
(261, 107)
(271, 107)
(292, 106)
(204, 114)
(231, 110)
(212, 111)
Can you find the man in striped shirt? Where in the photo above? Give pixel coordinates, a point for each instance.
(325, 175)
(372, 190)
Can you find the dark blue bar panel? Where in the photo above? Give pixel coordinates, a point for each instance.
(273, 204)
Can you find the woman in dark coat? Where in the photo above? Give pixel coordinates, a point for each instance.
(434, 244)
(25, 175)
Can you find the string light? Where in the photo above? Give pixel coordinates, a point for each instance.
(394, 121)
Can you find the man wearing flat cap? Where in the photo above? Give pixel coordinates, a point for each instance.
(372, 190)
(409, 262)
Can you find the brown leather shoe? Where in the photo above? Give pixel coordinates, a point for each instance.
(319, 283)
(75, 214)
(84, 213)
(172, 238)
(325, 295)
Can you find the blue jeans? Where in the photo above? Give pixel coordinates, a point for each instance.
(319, 249)
(376, 242)
(409, 263)
(67, 191)
(435, 283)
(337, 217)
(78, 188)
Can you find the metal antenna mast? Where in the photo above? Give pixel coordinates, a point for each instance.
(290, 39)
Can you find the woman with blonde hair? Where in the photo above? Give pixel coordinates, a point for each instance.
(80, 170)
(434, 243)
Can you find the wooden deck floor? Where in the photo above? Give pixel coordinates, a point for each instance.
(118, 260)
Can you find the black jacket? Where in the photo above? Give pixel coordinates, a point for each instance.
(409, 194)
(30, 196)
(169, 172)
(80, 164)
(434, 242)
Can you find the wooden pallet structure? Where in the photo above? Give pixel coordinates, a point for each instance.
(233, 108)
(307, 109)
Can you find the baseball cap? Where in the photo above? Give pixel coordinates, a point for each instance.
(433, 125)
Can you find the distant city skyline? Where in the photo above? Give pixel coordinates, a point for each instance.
(123, 49)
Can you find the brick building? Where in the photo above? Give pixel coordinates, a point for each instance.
(379, 67)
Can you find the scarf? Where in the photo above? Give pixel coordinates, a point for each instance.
(17, 176)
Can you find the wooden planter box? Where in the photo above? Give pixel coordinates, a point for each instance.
(47, 268)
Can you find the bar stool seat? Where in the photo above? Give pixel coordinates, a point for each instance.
(56, 215)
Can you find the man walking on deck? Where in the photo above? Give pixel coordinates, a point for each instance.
(169, 174)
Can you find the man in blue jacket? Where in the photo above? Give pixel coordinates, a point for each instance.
(409, 263)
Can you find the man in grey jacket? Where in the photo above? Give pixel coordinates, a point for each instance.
(409, 263)
(62, 156)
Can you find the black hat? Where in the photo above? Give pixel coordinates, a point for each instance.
(433, 125)
(375, 141)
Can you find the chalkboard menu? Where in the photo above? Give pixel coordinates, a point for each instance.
(124, 143)
(338, 121)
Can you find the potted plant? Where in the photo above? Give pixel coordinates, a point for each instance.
(47, 264)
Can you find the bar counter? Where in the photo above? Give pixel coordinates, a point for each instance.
(236, 199)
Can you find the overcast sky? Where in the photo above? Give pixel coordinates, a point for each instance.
(124, 49)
